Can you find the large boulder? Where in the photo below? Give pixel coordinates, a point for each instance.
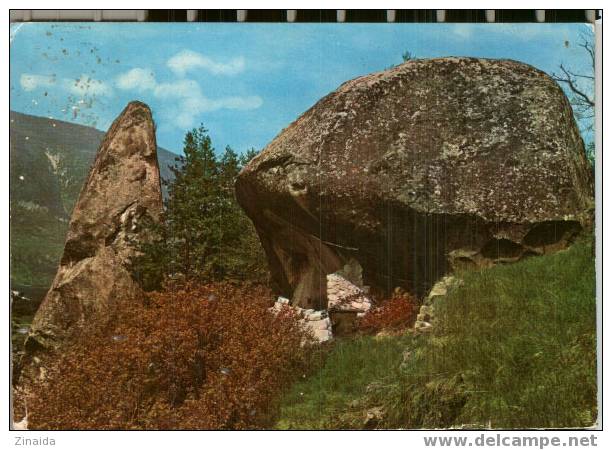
(429, 165)
(122, 189)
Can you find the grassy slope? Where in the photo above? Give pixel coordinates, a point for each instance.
(332, 397)
(37, 241)
(513, 347)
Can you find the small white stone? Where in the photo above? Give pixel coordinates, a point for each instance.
(315, 316)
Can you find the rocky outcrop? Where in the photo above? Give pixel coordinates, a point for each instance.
(418, 169)
(346, 304)
(123, 187)
(425, 318)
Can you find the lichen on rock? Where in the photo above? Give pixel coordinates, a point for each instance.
(416, 170)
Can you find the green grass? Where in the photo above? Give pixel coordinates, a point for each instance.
(331, 397)
(513, 347)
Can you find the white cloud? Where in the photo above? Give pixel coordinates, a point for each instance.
(199, 104)
(82, 86)
(190, 107)
(185, 98)
(191, 102)
(186, 60)
(30, 82)
(136, 79)
(177, 89)
(85, 85)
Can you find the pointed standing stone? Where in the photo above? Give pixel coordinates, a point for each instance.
(122, 188)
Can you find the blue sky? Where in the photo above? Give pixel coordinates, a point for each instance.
(245, 82)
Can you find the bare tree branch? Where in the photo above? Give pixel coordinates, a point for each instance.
(577, 75)
(589, 47)
(570, 79)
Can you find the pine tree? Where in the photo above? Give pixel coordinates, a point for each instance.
(247, 156)
(204, 234)
(193, 207)
(243, 257)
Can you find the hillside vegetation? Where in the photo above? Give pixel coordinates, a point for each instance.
(513, 347)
